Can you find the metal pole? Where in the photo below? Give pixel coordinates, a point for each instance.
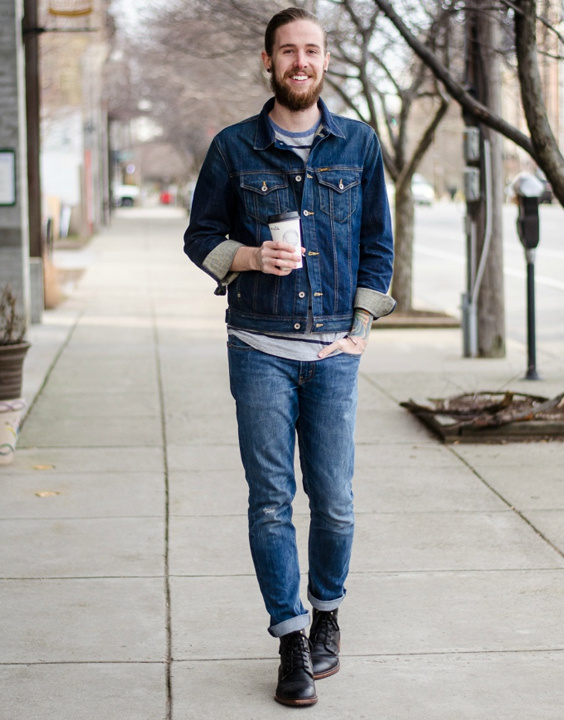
(469, 313)
(531, 326)
(31, 44)
(475, 275)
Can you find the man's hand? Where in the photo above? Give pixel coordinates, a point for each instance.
(273, 257)
(357, 340)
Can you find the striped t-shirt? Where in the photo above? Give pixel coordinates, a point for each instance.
(299, 142)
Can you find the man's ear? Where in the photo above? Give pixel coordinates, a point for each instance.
(266, 61)
(327, 58)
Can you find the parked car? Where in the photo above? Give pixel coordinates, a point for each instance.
(125, 195)
(423, 192)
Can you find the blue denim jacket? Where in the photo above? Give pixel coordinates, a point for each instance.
(345, 219)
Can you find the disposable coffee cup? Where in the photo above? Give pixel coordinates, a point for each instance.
(286, 227)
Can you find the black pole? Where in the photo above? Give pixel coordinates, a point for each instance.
(531, 327)
(31, 41)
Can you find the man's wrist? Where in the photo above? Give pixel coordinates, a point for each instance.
(362, 322)
(245, 259)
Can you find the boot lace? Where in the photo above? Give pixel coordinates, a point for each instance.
(324, 626)
(294, 652)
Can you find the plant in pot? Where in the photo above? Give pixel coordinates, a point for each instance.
(13, 349)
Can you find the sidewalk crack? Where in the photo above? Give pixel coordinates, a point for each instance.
(507, 502)
(167, 590)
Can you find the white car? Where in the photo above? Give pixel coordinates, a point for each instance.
(125, 195)
(423, 192)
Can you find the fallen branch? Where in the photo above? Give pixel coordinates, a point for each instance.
(509, 415)
(474, 411)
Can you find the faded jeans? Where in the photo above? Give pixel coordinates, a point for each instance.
(276, 400)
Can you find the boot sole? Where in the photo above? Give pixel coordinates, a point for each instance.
(327, 673)
(296, 703)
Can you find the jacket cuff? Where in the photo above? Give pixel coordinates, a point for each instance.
(376, 303)
(218, 262)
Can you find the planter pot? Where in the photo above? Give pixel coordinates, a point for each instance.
(11, 412)
(11, 369)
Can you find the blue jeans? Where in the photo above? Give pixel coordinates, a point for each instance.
(276, 399)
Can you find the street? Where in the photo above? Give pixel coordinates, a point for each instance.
(440, 269)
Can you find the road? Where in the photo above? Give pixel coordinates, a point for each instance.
(440, 269)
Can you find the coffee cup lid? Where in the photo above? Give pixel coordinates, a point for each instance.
(290, 215)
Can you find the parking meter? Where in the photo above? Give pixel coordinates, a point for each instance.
(528, 189)
(528, 222)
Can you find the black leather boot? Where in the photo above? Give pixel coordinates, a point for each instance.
(325, 639)
(295, 675)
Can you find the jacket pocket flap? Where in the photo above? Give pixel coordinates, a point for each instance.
(339, 180)
(263, 183)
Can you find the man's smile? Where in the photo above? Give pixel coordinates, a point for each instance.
(299, 77)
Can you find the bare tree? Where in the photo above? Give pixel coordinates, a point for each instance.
(526, 22)
(182, 74)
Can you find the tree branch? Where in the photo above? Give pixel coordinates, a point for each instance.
(454, 88)
(424, 143)
(545, 145)
(518, 11)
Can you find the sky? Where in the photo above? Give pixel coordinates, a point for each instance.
(129, 13)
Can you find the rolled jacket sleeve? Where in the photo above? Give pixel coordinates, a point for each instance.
(376, 259)
(219, 261)
(206, 241)
(376, 303)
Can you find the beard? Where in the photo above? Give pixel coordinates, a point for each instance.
(289, 98)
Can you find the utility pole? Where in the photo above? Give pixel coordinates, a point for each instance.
(32, 96)
(14, 239)
(483, 304)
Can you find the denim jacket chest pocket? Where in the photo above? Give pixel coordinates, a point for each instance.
(264, 194)
(339, 192)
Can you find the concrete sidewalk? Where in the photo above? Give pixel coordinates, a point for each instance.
(127, 590)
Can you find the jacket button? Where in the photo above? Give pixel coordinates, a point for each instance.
(298, 178)
(306, 212)
(301, 294)
(297, 326)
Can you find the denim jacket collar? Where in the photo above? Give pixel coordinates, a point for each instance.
(265, 134)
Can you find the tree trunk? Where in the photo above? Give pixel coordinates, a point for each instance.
(488, 292)
(491, 300)
(548, 154)
(403, 263)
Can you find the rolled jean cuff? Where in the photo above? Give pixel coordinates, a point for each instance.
(324, 605)
(287, 626)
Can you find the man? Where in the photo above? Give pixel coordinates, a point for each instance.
(296, 334)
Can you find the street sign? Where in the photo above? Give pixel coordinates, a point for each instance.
(7, 177)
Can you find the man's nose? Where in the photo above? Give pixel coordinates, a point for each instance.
(302, 59)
